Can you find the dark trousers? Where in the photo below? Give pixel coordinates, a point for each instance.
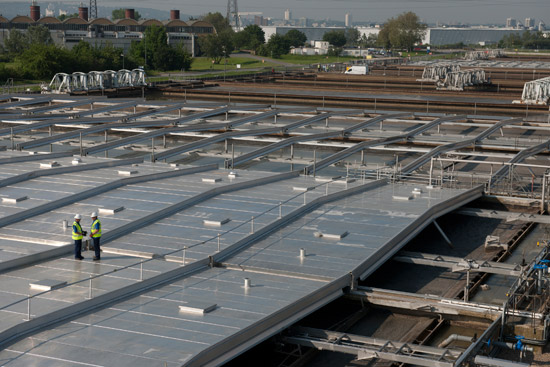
(77, 248)
(96, 246)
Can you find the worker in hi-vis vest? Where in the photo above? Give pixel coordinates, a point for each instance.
(95, 233)
(77, 237)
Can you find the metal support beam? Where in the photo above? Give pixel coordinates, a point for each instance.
(507, 216)
(457, 264)
(112, 107)
(69, 169)
(68, 104)
(383, 141)
(369, 348)
(443, 234)
(518, 158)
(211, 140)
(425, 158)
(433, 305)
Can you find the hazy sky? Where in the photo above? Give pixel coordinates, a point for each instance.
(460, 11)
(467, 11)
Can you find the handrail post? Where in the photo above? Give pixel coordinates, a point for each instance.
(29, 307)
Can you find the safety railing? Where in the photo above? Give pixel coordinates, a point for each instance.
(184, 260)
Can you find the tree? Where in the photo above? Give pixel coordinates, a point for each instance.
(402, 32)
(335, 38)
(352, 36)
(250, 37)
(217, 46)
(334, 51)
(43, 61)
(184, 59)
(218, 21)
(276, 46)
(296, 38)
(109, 57)
(17, 42)
(84, 56)
(121, 14)
(38, 34)
(368, 41)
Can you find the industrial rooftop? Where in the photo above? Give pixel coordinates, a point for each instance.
(223, 224)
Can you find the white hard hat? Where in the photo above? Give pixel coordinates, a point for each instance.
(94, 214)
(77, 216)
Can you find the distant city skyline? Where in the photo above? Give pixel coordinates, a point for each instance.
(431, 11)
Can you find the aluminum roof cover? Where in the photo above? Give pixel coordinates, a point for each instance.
(149, 330)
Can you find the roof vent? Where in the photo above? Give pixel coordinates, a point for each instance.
(211, 180)
(401, 197)
(47, 284)
(331, 236)
(49, 164)
(303, 188)
(13, 200)
(110, 211)
(127, 173)
(216, 222)
(344, 180)
(198, 307)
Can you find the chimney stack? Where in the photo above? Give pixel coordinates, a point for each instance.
(130, 14)
(35, 11)
(83, 13)
(174, 14)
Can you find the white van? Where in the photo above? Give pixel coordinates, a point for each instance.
(357, 70)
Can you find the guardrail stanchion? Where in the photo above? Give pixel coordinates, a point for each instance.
(29, 307)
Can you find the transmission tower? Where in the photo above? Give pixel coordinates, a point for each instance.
(232, 13)
(93, 9)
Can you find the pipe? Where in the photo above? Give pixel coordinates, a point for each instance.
(513, 346)
(453, 337)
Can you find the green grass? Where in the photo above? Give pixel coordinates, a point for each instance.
(205, 64)
(315, 59)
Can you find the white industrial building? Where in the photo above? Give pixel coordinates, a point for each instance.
(468, 36)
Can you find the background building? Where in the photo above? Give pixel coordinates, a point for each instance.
(511, 23)
(288, 15)
(98, 32)
(348, 20)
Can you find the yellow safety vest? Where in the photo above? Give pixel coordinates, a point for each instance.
(77, 235)
(98, 228)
